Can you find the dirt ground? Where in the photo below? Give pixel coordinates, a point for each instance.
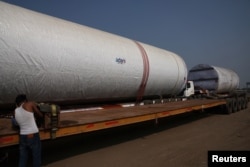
(179, 141)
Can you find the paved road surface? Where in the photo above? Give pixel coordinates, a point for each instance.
(180, 141)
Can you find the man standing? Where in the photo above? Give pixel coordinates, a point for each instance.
(29, 132)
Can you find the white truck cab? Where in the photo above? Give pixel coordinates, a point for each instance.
(189, 90)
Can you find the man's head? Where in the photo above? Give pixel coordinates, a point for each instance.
(20, 99)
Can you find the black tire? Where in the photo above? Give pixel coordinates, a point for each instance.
(246, 102)
(242, 103)
(238, 101)
(235, 104)
(229, 106)
(157, 101)
(164, 100)
(147, 102)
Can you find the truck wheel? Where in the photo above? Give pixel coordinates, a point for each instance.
(229, 106)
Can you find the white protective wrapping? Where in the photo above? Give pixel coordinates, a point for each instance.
(216, 79)
(51, 59)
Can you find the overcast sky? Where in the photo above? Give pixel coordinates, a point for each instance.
(215, 32)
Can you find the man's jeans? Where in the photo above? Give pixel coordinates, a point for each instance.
(30, 143)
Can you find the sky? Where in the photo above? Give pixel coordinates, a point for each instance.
(214, 32)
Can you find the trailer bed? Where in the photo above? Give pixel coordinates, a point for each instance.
(77, 121)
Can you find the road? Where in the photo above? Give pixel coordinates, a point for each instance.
(179, 141)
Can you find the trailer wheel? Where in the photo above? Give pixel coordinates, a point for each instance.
(246, 102)
(229, 106)
(242, 103)
(165, 100)
(235, 104)
(238, 102)
(157, 101)
(147, 102)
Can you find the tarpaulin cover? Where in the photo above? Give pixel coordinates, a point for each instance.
(51, 59)
(216, 79)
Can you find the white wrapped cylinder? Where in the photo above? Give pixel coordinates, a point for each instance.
(215, 79)
(51, 59)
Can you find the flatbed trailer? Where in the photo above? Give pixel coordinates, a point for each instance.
(77, 122)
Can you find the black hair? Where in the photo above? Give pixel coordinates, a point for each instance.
(20, 98)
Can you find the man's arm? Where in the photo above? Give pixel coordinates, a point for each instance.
(35, 109)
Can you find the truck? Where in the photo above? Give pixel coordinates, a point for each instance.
(86, 80)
